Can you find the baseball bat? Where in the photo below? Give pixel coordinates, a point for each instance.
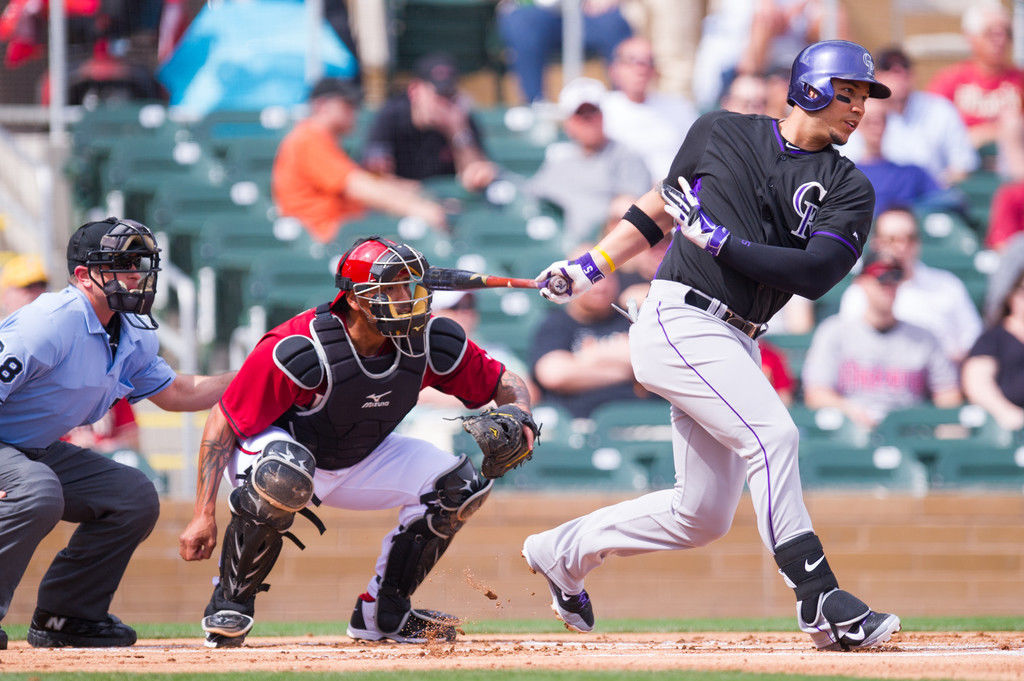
(445, 279)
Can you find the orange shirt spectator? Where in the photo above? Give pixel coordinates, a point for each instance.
(310, 176)
(315, 181)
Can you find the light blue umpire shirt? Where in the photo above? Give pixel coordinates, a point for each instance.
(56, 369)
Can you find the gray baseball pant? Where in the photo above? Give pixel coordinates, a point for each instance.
(115, 507)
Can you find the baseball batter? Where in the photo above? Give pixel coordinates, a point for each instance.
(763, 209)
(64, 359)
(309, 418)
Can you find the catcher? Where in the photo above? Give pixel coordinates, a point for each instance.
(310, 418)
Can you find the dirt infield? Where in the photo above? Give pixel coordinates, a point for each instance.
(997, 656)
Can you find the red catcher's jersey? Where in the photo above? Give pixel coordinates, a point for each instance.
(261, 392)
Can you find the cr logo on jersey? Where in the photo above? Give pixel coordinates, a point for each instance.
(375, 401)
(807, 202)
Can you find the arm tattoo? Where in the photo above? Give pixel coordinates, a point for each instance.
(214, 455)
(512, 390)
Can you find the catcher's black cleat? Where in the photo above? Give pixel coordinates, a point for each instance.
(418, 626)
(574, 610)
(226, 628)
(49, 630)
(3, 640)
(844, 622)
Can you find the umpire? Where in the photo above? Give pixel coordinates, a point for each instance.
(65, 359)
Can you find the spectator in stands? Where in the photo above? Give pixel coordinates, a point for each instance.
(315, 181)
(993, 373)
(673, 27)
(754, 36)
(22, 280)
(869, 364)
(922, 128)
(584, 175)
(777, 81)
(1006, 218)
(987, 86)
(895, 184)
(427, 130)
(649, 123)
(776, 370)
(580, 352)
(747, 94)
(532, 31)
(928, 297)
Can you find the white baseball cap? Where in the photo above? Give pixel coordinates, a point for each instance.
(578, 92)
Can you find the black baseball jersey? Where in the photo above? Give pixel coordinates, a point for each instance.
(765, 191)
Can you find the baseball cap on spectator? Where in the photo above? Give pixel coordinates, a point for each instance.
(892, 58)
(336, 87)
(880, 267)
(23, 271)
(440, 71)
(580, 92)
(453, 300)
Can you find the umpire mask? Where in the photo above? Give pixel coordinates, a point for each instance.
(124, 256)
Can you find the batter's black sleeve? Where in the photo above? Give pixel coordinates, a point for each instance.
(809, 273)
(692, 148)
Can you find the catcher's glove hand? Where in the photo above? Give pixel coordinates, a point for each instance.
(499, 432)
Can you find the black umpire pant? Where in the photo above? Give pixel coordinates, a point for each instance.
(115, 506)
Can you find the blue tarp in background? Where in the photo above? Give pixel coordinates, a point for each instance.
(248, 55)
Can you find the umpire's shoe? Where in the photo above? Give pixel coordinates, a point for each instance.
(418, 626)
(574, 610)
(841, 621)
(49, 630)
(226, 628)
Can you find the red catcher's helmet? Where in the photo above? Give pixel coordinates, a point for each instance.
(387, 279)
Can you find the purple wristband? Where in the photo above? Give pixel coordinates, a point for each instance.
(586, 261)
(717, 240)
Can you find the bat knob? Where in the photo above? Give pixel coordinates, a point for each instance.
(558, 285)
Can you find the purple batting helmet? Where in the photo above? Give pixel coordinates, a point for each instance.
(810, 83)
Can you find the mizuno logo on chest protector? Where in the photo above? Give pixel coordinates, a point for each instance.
(807, 201)
(375, 401)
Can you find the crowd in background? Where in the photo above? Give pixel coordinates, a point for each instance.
(905, 333)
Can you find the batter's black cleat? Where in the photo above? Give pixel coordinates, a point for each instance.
(3, 640)
(226, 628)
(841, 621)
(418, 626)
(574, 610)
(49, 630)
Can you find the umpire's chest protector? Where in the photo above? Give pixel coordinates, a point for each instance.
(366, 397)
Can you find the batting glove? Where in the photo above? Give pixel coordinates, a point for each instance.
(567, 279)
(683, 205)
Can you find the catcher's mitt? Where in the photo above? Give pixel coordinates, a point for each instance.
(499, 432)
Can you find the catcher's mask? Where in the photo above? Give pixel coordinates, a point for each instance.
(387, 280)
(125, 257)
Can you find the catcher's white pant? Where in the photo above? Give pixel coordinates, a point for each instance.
(728, 425)
(398, 472)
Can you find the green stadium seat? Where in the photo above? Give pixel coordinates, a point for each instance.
(464, 29)
(838, 466)
(641, 432)
(947, 229)
(978, 188)
(560, 466)
(827, 426)
(968, 463)
(508, 317)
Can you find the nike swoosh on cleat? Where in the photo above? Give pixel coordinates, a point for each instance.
(809, 566)
(856, 635)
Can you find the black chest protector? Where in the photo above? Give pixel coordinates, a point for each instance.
(365, 399)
